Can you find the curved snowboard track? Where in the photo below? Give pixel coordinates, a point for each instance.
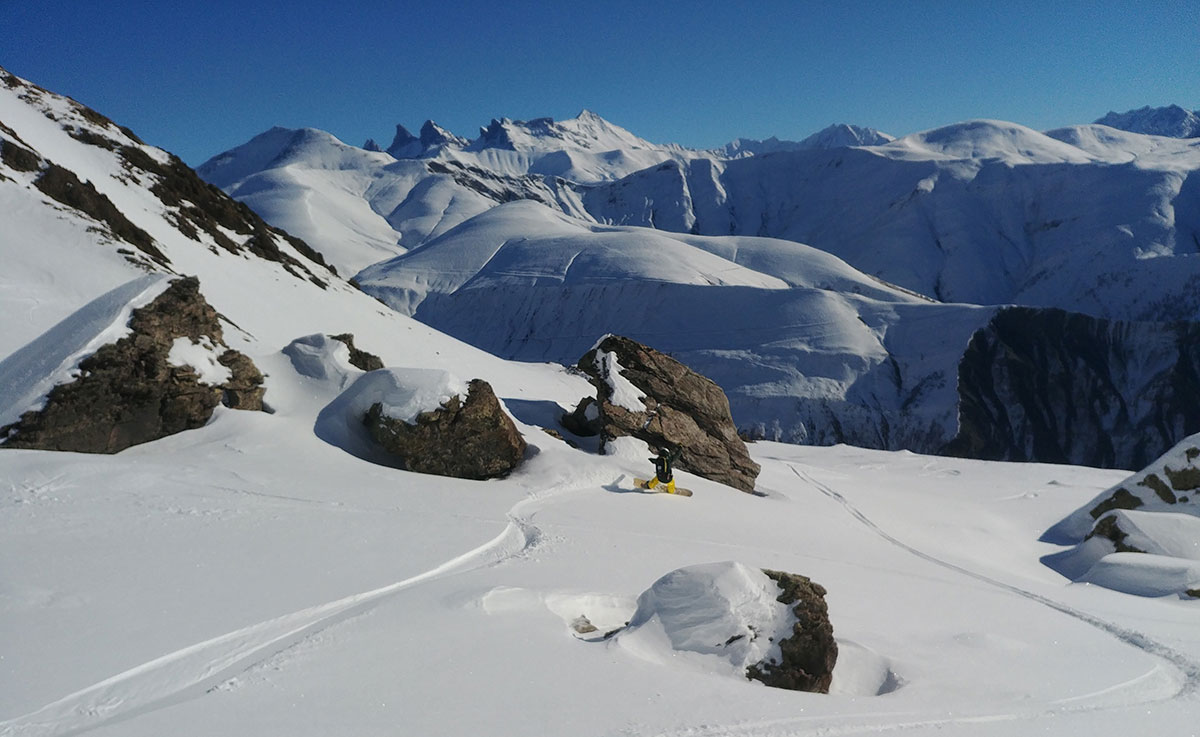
(1184, 673)
(197, 669)
(1179, 670)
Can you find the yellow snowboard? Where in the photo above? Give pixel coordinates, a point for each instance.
(661, 487)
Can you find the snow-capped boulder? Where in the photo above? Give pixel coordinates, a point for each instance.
(130, 376)
(433, 423)
(648, 395)
(733, 619)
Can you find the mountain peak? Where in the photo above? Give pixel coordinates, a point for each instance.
(404, 143)
(433, 134)
(1172, 121)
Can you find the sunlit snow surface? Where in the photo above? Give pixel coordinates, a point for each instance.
(256, 576)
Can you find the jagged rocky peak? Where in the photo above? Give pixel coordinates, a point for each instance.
(432, 138)
(1172, 120)
(404, 144)
(372, 145)
(433, 134)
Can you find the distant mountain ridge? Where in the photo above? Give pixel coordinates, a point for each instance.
(1172, 121)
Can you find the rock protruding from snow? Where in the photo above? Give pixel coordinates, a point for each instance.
(433, 428)
(166, 375)
(359, 358)
(809, 652)
(1141, 536)
(733, 619)
(648, 395)
(1172, 121)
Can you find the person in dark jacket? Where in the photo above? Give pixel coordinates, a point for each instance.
(662, 469)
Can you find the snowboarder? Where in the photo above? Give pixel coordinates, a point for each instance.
(662, 469)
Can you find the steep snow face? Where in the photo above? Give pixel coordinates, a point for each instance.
(1171, 120)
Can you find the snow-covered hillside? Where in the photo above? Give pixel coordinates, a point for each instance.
(1091, 220)
(256, 576)
(808, 349)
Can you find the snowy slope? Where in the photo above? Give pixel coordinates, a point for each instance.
(808, 349)
(251, 577)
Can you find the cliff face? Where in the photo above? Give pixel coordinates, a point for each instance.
(1053, 386)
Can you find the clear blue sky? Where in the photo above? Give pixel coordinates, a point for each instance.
(200, 77)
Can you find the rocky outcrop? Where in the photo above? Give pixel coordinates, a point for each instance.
(132, 391)
(808, 656)
(471, 438)
(648, 395)
(1060, 387)
(359, 359)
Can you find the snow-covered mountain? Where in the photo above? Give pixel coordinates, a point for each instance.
(838, 135)
(1172, 121)
(1085, 219)
(253, 576)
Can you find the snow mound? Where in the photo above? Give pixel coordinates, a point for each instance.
(1141, 536)
(28, 375)
(718, 618)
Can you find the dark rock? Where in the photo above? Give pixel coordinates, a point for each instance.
(810, 654)
(358, 358)
(127, 392)
(1120, 499)
(469, 439)
(18, 158)
(1109, 528)
(1060, 387)
(62, 185)
(683, 410)
(584, 420)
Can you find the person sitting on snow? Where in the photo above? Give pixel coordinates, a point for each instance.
(662, 469)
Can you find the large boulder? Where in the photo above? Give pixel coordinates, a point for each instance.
(166, 375)
(648, 395)
(467, 437)
(810, 652)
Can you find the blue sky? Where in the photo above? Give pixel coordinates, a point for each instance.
(198, 78)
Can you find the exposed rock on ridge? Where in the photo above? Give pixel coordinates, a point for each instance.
(129, 392)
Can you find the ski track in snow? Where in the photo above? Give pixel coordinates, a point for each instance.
(1179, 670)
(202, 668)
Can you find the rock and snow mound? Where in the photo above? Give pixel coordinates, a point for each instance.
(1141, 536)
(727, 619)
(423, 420)
(142, 362)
